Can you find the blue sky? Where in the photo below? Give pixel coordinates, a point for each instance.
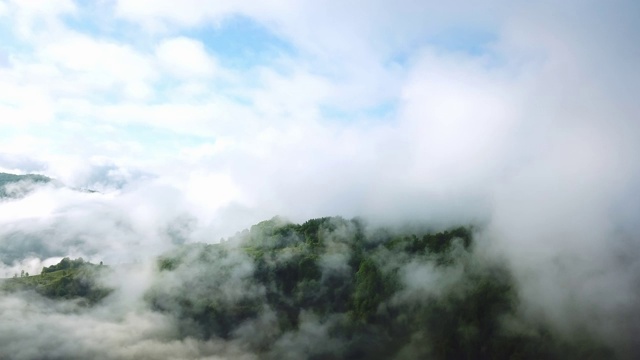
(247, 51)
(368, 103)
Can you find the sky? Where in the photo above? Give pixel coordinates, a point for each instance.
(196, 119)
(403, 111)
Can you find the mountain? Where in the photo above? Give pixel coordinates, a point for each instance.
(69, 279)
(356, 293)
(14, 186)
(17, 186)
(332, 288)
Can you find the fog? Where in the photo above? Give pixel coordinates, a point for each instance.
(533, 141)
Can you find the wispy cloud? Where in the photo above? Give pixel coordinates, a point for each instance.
(521, 116)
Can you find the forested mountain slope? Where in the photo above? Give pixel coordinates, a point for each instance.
(340, 291)
(332, 288)
(12, 185)
(69, 279)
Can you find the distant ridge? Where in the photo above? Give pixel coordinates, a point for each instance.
(9, 179)
(29, 179)
(6, 178)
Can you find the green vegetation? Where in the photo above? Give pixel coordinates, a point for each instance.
(69, 279)
(8, 179)
(66, 264)
(365, 293)
(12, 178)
(362, 286)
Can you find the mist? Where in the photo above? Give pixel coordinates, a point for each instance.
(518, 120)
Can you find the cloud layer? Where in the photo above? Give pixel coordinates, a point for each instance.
(401, 114)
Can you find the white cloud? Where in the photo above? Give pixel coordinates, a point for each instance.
(154, 14)
(98, 63)
(537, 137)
(211, 191)
(185, 58)
(51, 8)
(31, 19)
(25, 105)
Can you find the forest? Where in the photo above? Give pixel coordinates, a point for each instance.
(69, 279)
(357, 291)
(10, 184)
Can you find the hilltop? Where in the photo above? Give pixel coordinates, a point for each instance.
(12, 185)
(69, 279)
(17, 186)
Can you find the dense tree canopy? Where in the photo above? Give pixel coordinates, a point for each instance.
(69, 279)
(361, 287)
(361, 293)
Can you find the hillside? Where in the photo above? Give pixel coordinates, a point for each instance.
(69, 279)
(16, 186)
(332, 288)
(355, 294)
(12, 185)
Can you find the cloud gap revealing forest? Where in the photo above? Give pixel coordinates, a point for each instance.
(332, 288)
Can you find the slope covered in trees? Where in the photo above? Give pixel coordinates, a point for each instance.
(332, 288)
(69, 279)
(10, 184)
(338, 290)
